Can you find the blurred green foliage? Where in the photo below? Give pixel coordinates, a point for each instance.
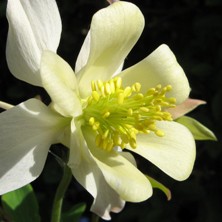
(17, 202)
(193, 30)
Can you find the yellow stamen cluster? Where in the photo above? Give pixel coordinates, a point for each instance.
(118, 114)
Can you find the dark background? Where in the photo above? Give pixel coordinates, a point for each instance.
(193, 30)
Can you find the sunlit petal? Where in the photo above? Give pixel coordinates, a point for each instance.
(113, 33)
(26, 133)
(174, 153)
(88, 174)
(160, 67)
(84, 56)
(59, 81)
(33, 27)
(120, 173)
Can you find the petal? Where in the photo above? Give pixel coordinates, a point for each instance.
(88, 174)
(174, 153)
(33, 27)
(26, 133)
(59, 81)
(120, 173)
(4, 105)
(160, 67)
(106, 199)
(124, 177)
(129, 157)
(114, 31)
(187, 106)
(84, 56)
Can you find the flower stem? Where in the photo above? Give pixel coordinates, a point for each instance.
(58, 200)
(95, 218)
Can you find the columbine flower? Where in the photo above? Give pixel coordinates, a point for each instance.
(96, 111)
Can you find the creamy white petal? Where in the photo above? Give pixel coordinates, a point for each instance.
(34, 26)
(123, 177)
(174, 153)
(84, 55)
(106, 200)
(160, 67)
(120, 173)
(26, 133)
(129, 157)
(59, 81)
(88, 174)
(114, 31)
(5, 105)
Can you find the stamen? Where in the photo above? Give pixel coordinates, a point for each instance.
(107, 88)
(120, 98)
(118, 114)
(93, 86)
(91, 121)
(95, 95)
(106, 114)
(118, 82)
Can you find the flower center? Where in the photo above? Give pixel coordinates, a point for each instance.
(118, 114)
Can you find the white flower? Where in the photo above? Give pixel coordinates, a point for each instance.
(92, 111)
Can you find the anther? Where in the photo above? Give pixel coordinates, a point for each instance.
(169, 88)
(89, 100)
(144, 109)
(105, 135)
(107, 88)
(109, 146)
(130, 112)
(93, 85)
(106, 114)
(133, 143)
(120, 98)
(136, 87)
(151, 91)
(99, 84)
(112, 86)
(102, 90)
(127, 91)
(159, 133)
(91, 121)
(152, 127)
(95, 126)
(95, 95)
(138, 96)
(158, 87)
(118, 82)
(171, 100)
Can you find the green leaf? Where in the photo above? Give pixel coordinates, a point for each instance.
(74, 213)
(160, 186)
(21, 205)
(199, 131)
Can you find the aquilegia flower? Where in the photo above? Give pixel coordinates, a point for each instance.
(98, 111)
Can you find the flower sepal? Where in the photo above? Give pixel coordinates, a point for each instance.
(199, 131)
(160, 186)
